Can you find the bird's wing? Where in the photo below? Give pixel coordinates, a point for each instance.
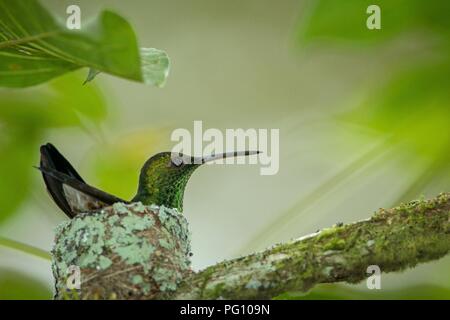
(67, 188)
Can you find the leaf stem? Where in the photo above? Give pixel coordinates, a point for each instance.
(26, 248)
(14, 42)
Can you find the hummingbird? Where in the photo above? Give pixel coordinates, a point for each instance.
(162, 181)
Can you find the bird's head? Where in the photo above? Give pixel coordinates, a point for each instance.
(164, 176)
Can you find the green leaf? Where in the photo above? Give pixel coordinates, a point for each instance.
(155, 66)
(91, 75)
(35, 47)
(412, 107)
(61, 102)
(16, 285)
(25, 115)
(346, 20)
(16, 157)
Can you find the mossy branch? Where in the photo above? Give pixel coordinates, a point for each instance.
(142, 252)
(393, 239)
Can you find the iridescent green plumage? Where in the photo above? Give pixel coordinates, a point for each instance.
(164, 177)
(163, 182)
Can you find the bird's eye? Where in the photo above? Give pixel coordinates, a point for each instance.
(177, 161)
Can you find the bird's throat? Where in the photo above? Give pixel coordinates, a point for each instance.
(168, 198)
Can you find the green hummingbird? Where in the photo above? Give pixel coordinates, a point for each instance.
(162, 181)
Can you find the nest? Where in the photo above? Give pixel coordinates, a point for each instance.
(125, 251)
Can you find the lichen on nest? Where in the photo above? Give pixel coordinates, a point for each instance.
(125, 250)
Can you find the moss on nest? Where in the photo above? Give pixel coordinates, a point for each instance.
(125, 251)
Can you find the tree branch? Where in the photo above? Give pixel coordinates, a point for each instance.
(393, 239)
(131, 251)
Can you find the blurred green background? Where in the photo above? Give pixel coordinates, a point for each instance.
(363, 117)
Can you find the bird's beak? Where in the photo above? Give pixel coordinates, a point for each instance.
(215, 157)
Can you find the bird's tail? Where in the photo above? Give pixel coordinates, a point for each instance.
(52, 160)
(58, 173)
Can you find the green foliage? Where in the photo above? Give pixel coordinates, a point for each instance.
(35, 47)
(412, 106)
(17, 285)
(25, 116)
(345, 21)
